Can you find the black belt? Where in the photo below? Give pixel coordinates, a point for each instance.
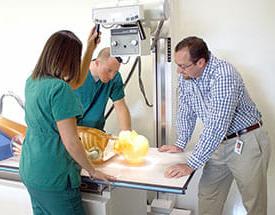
(243, 131)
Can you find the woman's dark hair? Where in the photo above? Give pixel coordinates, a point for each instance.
(196, 46)
(60, 58)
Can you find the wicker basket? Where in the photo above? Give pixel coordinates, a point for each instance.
(95, 143)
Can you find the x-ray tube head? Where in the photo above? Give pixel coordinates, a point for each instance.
(131, 23)
(126, 41)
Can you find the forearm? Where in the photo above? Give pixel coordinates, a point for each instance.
(84, 66)
(77, 152)
(186, 121)
(208, 143)
(215, 128)
(123, 115)
(125, 120)
(70, 139)
(86, 61)
(68, 132)
(186, 117)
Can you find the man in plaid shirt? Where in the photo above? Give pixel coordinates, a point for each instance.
(233, 144)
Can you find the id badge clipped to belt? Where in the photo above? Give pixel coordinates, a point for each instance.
(238, 146)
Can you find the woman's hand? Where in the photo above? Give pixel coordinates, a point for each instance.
(17, 145)
(68, 132)
(93, 38)
(95, 174)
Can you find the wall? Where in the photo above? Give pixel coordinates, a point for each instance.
(240, 31)
(243, 33)
(25, 27)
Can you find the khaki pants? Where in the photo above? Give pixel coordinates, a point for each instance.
(249, 169)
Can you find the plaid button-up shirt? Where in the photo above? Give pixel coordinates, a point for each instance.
(220, 99)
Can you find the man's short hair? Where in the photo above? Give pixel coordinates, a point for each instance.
(196, 46)
(105, 53)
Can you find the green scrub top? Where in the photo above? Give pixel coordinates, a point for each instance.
(94, 96)
(45, 164)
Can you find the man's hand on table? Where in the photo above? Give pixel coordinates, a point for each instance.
(178, 170)
(170, 148)
(95, 174)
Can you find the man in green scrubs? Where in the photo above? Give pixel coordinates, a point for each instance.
(103, 82)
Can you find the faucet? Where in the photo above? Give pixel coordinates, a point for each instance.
(17, 98)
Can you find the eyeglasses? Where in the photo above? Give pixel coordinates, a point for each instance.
(184, 67)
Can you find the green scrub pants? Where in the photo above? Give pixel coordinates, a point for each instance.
(56, 202)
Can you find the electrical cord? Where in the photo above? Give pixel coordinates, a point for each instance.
(141, 85)
(124, 86)
(127, 61)
(107, 26)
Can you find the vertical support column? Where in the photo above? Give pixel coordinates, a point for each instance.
(163, 98)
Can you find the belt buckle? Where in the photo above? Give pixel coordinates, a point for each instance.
(224, 140)
(241, 132)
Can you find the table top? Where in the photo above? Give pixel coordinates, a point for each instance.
(149, 175)
(151, 172)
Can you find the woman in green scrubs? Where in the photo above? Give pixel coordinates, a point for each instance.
(52, 154)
